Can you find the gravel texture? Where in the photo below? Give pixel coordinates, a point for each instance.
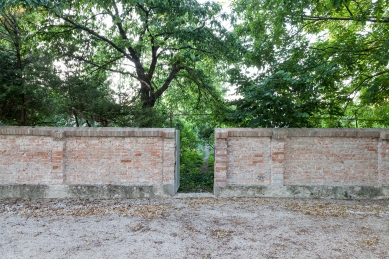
(194, 228)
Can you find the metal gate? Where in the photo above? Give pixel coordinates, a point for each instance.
(177, 164)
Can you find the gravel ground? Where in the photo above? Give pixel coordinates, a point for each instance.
(194, 228)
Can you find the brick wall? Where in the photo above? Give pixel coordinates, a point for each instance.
(70, 157)
(302, 162)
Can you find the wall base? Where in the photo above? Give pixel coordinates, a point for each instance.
(331, 192)
(30, 191)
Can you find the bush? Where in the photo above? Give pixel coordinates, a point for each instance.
(196, 181)
(211, 161)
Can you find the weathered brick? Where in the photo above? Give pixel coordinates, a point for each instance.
(86, 156)
(310, 157)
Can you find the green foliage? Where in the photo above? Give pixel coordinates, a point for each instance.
(191, 156)
(87, 99)
(196, 182)
(289, 94)
(211, 161)
(26, 72)
(139, 116)
(159, 44)
(193, 176)
(316, 59)
(360, 116)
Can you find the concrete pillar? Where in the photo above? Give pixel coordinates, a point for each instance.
(168, 161)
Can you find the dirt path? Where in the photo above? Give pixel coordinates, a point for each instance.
(194, 228)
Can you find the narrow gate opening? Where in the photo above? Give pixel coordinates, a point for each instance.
(196, 160)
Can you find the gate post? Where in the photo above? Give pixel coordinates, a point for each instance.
(177, 163)
(220, 165)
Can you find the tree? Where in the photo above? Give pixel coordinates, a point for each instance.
(338, 49)
(158, 43)
(87, 98)
(25, 71)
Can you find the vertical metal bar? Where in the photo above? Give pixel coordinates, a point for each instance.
(177, 165)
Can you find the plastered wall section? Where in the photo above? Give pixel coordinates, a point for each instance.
(303, 157)
(121, 156)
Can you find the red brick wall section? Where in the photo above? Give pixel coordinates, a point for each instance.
(252, 166)
(301, 157)
(168, 155)
(29, 159)
(110, 160)
(331, 161)
(55, 156)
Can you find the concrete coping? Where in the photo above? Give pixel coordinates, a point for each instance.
(384, 135)
(283, 133)
(61, 132)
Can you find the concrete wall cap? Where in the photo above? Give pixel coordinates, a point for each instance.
(242, 132)
(283, 133)
(221, 133)
(335, 133)
(60, 132)
(384, 135)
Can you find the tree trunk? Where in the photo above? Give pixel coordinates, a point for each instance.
(147, 97)
(76, 118)
(23, 111)
(2, 110)
(21, 71)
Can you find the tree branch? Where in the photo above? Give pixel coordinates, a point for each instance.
(336, 49)
(154, 49)
(100, 37)
(185, 47)
(167, 82)
(323, 18)
(367, 78)
(154, 59)
(114, 70)
(198, 83)
(135, 59)
(349, 11)
(122, 32)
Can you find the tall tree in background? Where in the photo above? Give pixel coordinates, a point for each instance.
(26, 71)
(157, 43)
(87, 99)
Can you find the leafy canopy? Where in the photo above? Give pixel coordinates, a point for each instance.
(157, 43)
(316, 59)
